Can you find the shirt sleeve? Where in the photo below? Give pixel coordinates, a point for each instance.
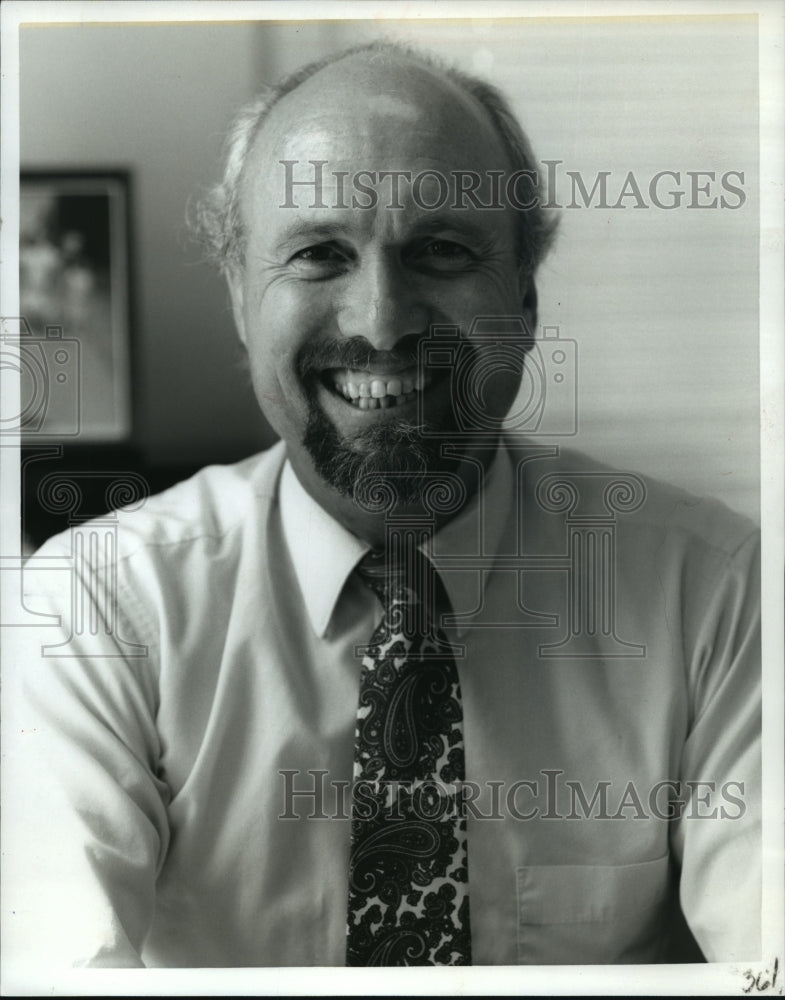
(717, 836)
(89, 824)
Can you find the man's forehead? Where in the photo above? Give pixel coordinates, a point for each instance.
(390, 113)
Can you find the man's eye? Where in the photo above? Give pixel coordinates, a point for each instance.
(444, 254)
(321, 258)
(318, 253)
(446, 248)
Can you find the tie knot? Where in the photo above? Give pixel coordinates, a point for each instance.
(413, 583)
(394, 579)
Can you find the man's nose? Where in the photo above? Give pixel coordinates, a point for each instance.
(382, 303)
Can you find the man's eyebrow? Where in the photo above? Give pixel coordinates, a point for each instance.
(434, 224)
(459, 223)
(303, 229)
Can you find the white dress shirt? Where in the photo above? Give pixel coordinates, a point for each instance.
(156, 770)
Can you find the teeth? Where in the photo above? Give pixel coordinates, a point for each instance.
(372, 393)
(382, 402)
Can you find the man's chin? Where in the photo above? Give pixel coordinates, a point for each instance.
(393, 452)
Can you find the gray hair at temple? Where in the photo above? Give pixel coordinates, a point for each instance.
(216, 219)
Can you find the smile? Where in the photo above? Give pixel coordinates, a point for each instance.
(370, 391)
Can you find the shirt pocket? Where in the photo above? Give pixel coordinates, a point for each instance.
(591, 914)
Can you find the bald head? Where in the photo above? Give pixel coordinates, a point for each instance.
(390, 99)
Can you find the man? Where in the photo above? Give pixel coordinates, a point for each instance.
(205, 788)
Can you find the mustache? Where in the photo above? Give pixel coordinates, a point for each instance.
(357, 353)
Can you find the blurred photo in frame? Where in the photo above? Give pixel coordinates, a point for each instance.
(74, 299)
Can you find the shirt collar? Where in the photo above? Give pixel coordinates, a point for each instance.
(324, 553)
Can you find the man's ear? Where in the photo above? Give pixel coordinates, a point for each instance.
(234, 280)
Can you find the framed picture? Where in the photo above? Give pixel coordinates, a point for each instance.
(74, 302)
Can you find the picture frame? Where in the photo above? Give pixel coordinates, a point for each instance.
(75, 300)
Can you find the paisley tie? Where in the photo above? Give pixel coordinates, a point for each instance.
(408, 874)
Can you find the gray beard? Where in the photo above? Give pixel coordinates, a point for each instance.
(395, 452)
